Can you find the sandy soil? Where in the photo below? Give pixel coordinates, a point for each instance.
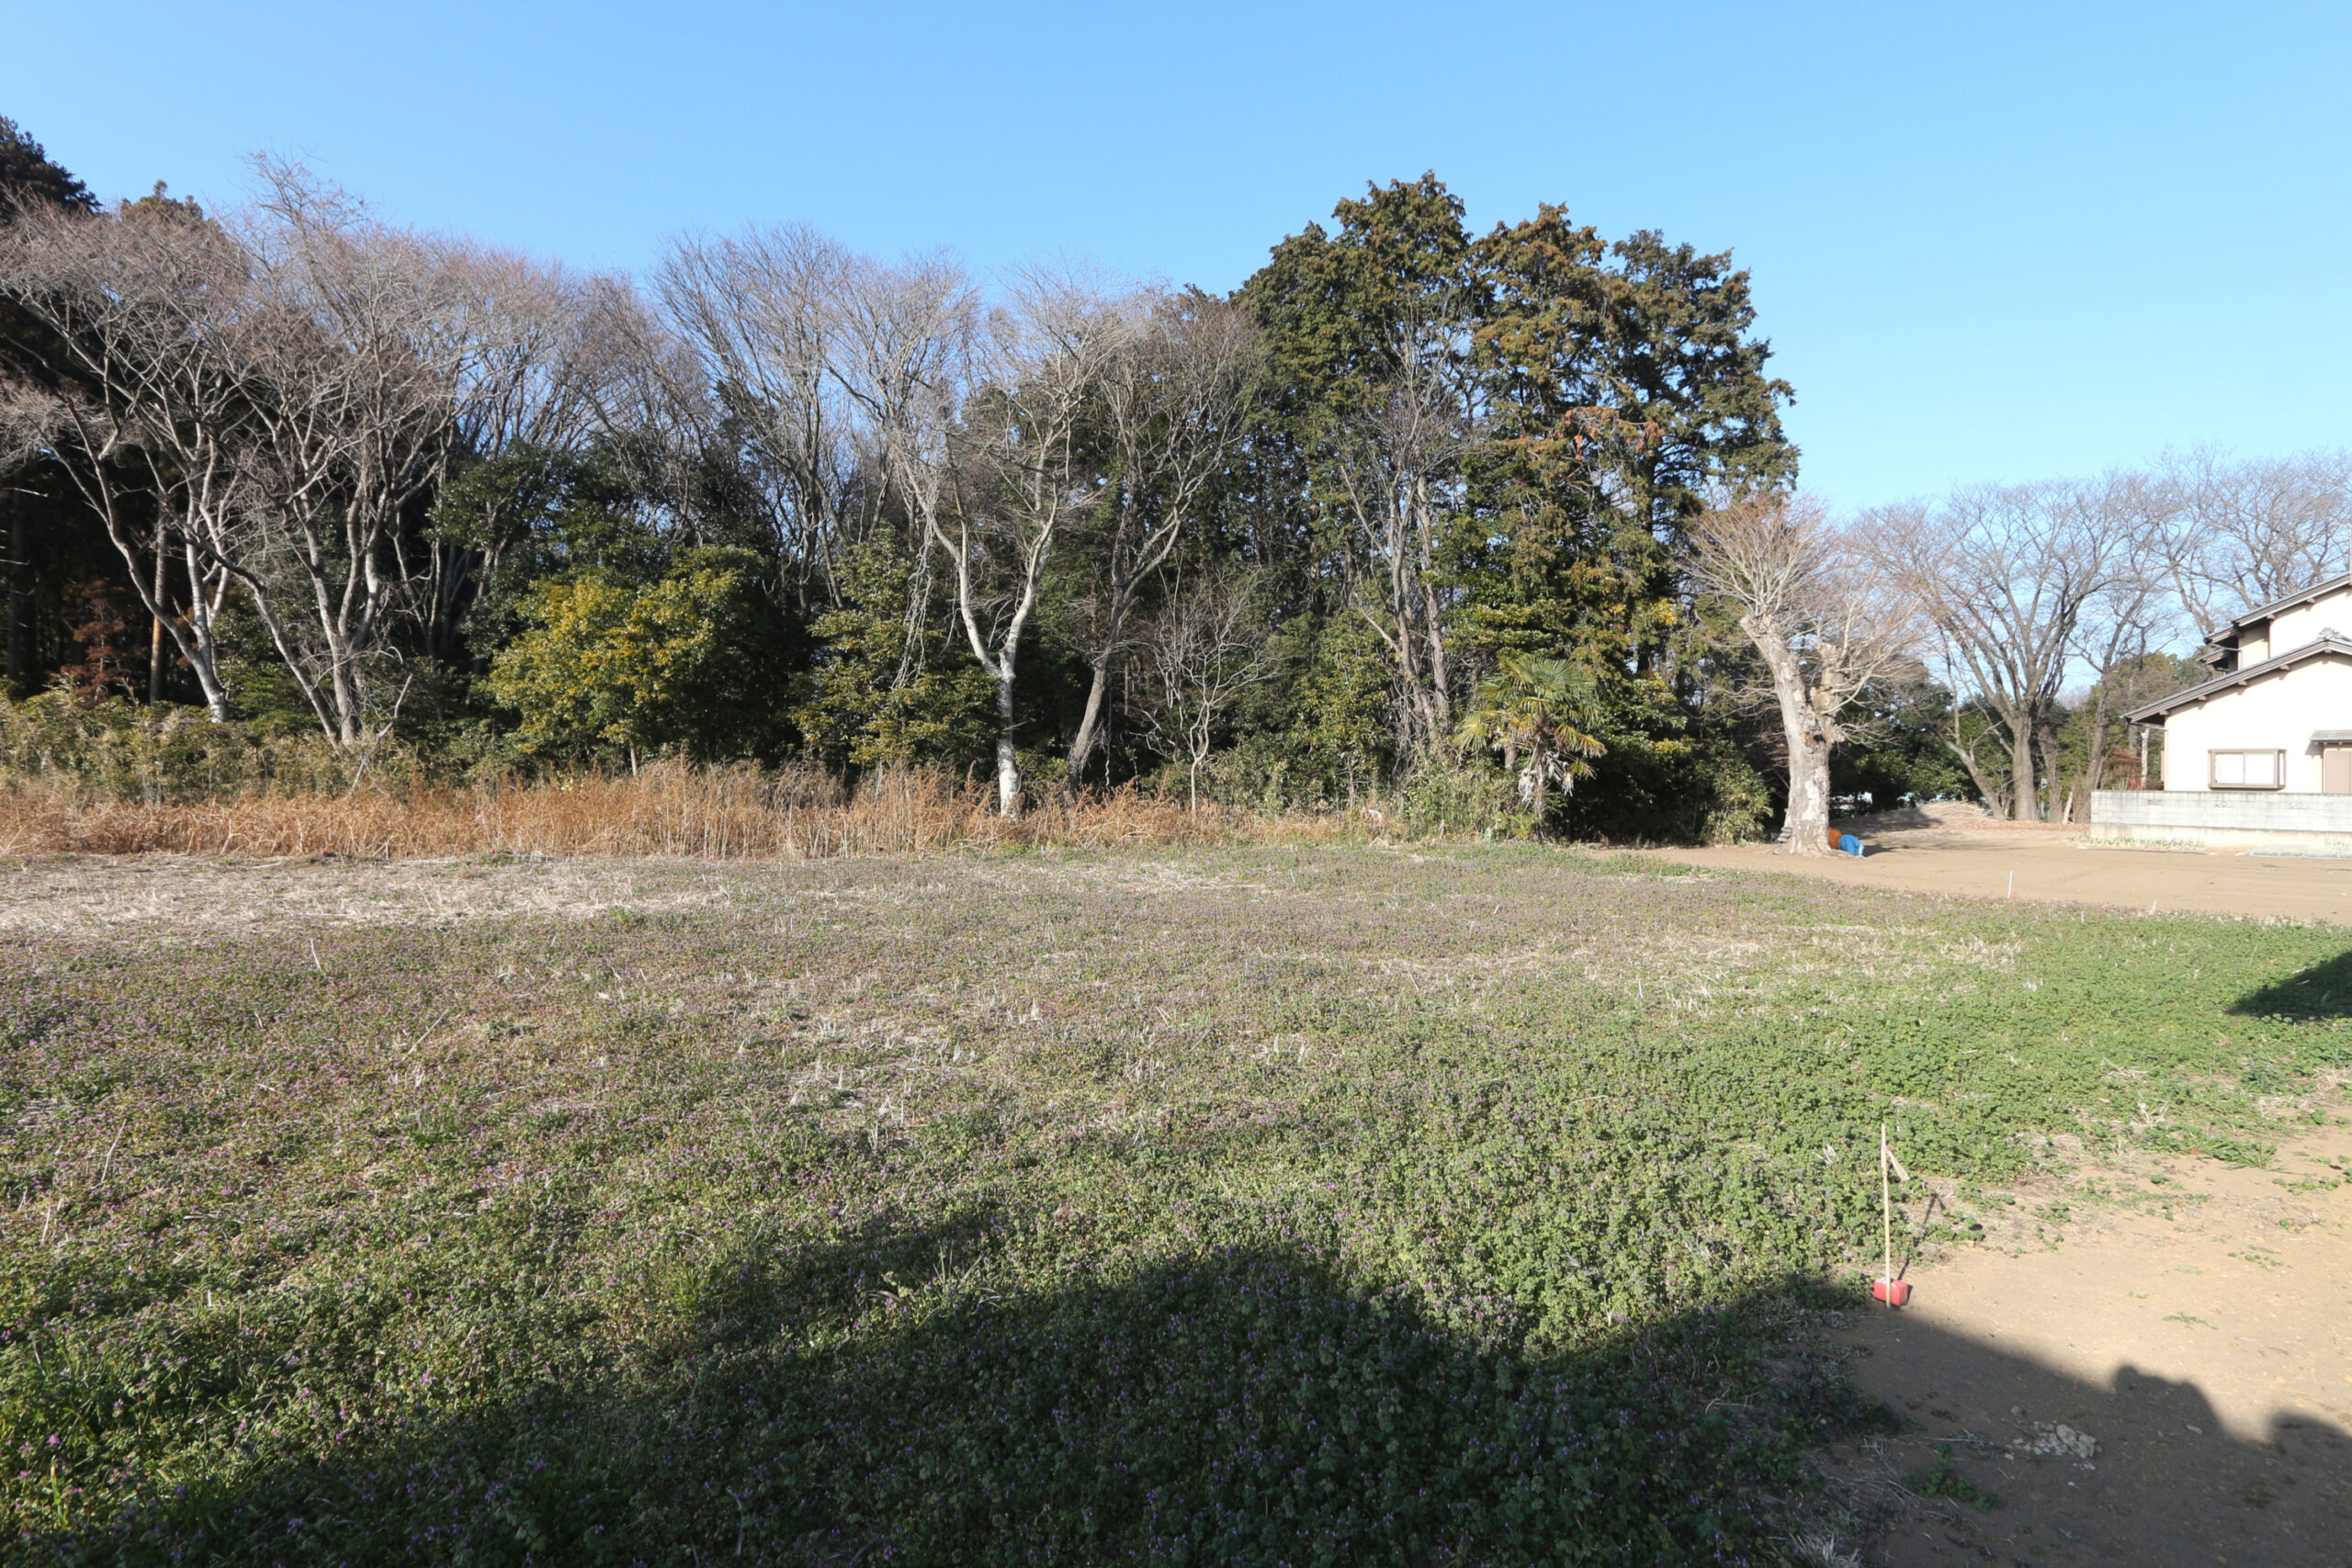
(1979, 860)
(2197, 1337)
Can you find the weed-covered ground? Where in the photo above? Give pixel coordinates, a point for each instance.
(1251, 1206)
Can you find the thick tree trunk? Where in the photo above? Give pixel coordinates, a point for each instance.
(2025, 795)
(1808, 814)
(2047, 743)
(1805, 825)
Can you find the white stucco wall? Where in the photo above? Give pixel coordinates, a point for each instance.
(2276, 712)
(2303, 624)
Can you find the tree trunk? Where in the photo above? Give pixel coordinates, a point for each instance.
(2046, 741)
(1090, 725)
(1542, 780)
(2025, 795)
(16, 597)
(1008, 761)
(1805, 825)
(155, 624)
(2095, 767)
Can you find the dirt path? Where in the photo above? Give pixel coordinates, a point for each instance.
(2052, 865)
(2172, 1384)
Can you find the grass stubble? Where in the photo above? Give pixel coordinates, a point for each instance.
(1234, 1205)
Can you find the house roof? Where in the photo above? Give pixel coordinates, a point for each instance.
(2278, 606)
(2328, 641)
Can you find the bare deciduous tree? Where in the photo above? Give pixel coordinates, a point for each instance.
(2246, 532)
(140, 309)
(1175, 392)
(1397, 465)
(1024, 476)
(286, 386)
(543, 360)
(2131, 615)
(2006, 577)
(1203, 650)
(1830, 625)
(765, 315)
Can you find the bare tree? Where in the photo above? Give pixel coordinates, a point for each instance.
(285, 387)
(2246, 532)
(2127, 618)
(359, 339)
(2006, 577)
(1204, 649)
(142, 310)
(764, 313)
(539, 362)
(1830, 625)
(1174, 394)
(906, 340)
(1025, 477)
(1395, 466)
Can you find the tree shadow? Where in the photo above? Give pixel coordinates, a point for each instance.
(1253, 1406)
(2321, 991)
(1238, 1405)
(2005, 1459)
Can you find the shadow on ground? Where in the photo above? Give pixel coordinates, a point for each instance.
(2321, 991)
(2143, 1475)
(1250, 1407)
(1242, 1407)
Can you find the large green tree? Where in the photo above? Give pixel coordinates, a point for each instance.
(1499, 440)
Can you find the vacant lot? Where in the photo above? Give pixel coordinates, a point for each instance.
(2044, 864)
(1310, 1206)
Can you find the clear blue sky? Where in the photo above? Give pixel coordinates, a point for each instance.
(1988, 241)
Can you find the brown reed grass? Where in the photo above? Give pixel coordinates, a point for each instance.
(667, 811)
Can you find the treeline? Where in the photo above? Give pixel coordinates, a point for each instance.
(1410, 509)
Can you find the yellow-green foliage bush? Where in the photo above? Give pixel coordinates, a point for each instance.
(672, 665)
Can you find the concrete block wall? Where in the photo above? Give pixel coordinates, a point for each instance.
(2279, 819)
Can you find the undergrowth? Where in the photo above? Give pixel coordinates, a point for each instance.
(1251, 1205)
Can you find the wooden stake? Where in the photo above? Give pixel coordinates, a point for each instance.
(1886, 1208)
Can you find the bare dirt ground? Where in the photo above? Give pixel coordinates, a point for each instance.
(1960, 853)
(2170, 1384)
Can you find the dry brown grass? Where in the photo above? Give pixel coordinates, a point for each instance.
(668, 810)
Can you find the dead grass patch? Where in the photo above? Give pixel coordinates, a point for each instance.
(666, 811)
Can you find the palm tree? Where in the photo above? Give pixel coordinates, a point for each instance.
(1545, 706)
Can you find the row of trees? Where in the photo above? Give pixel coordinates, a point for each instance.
(1410, 503)
(2054, 608)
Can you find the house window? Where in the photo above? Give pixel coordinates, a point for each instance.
(2247, 769)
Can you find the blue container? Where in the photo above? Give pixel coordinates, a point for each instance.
(1851, 845)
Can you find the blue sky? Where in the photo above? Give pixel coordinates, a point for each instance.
(1989, 243)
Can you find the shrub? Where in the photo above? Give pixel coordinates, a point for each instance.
(676, 665)
(160, 754)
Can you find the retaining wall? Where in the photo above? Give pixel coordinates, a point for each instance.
(2280, 820)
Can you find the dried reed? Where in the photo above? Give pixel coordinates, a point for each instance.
(668, 810)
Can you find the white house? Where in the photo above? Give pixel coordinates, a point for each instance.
(2262, 753)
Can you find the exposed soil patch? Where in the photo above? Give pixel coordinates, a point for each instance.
(2050, 865)
(2171, 1384)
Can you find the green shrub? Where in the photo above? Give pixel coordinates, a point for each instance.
(161, 755)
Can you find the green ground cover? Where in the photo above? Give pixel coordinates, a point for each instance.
(1251, 1206)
